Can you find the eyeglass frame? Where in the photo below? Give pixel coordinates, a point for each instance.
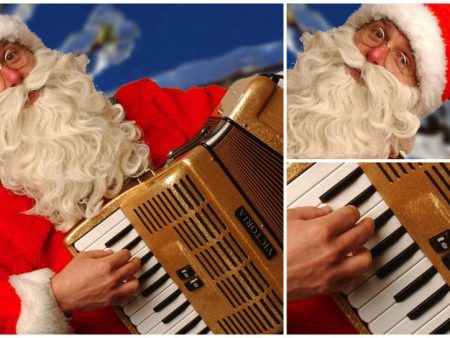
(391, 51)
(21, 49)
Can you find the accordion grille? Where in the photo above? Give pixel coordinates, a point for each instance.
(257, 171)
(184, 207)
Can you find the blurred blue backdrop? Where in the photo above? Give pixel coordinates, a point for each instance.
(433, 138)
(176, 45)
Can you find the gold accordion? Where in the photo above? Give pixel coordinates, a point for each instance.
(406, 291)
(213, 219)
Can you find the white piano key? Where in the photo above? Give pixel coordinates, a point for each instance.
(385, 299)
(383, 259)
(375, 285)
(391, 225)
(162, 328)
(398, 311)
(103, 227)
(434, 322)
(351, 192)
(198, 328)
(147, 310)
(99, 243)
(186, 320)
(124, 240)
(155, 318)
(407, 325)
(140, 300)
(311, 198)
(308, 179)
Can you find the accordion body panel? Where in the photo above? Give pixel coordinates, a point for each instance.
(219, 211)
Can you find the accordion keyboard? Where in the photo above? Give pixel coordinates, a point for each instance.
(159, 307)
(403, 292)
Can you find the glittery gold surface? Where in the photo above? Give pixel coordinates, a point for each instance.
(418, 204)
(256, 104)
(295, 169)
(85, 226)
(351, 315)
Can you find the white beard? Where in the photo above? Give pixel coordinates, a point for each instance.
(71, 148)
(331, 115)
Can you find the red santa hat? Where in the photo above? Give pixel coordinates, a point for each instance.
(426, 26)
(13, 30)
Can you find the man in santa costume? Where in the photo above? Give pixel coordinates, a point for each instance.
(310, 277)
(360, 90)
(64, 148)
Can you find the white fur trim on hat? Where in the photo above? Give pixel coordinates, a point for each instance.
(422, 29)
(13, 30)
(40, 312)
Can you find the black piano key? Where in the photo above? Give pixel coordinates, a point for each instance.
(169, 299)
(133, 243)
(150, 272)
(205, 330)
(415, 285)
(383, 218)
(121, 234)
(153, 287)
(341, 185)
(398, 260)
(189, 326)
(146, 257)
(429, 302)
(443, 328)
(171, 316)
(363, 196)
(387, 242)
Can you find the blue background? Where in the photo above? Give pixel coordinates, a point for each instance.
(164, 37)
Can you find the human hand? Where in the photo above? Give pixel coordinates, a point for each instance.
(325, 252)
(96, 279)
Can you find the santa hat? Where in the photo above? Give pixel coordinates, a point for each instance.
(14, 30)
(426, 26)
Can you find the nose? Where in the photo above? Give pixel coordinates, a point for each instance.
(10, 77)
(377, 55)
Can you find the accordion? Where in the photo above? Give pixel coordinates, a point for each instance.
(208, 226)
(406, 291)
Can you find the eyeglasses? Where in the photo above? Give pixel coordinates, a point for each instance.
(373, 35)
(13, 56)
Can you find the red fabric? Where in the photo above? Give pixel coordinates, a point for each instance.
(442, 13)
(318, 315)
(158, 110)
(168, 118)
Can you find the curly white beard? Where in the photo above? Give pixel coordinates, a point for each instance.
(71, 148)
(331, 115)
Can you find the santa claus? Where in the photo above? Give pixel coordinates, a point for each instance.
(64, 148)
(359, 91)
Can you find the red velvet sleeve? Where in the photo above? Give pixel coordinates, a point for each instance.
(168, 117)
(318, 315)
(9, 301)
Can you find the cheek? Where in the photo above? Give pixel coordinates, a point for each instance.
(361, 47)
(31, 62)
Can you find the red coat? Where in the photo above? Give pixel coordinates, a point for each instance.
(317, 315)
(168, 118)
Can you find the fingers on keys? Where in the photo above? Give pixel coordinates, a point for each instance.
(306, 213)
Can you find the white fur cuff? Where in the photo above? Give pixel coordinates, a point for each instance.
(40, 312)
